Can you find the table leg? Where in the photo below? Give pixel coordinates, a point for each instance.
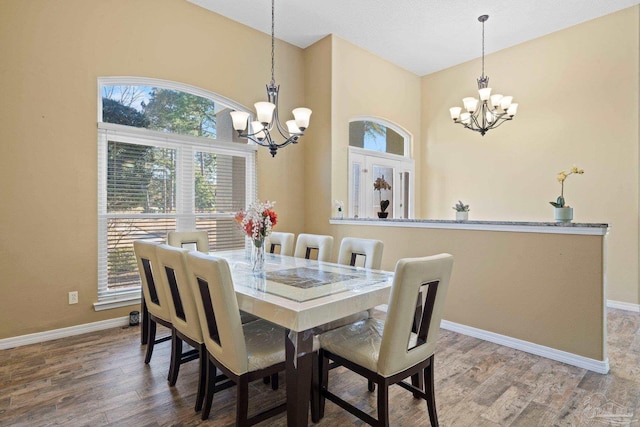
(299, 355)
(144, 329)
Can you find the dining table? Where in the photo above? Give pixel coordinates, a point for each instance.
(299, 295)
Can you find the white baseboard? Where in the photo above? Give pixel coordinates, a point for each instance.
(601, 367)
(623, 306)
(39, 337)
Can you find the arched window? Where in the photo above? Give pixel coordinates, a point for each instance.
(167, 160)
(381, 170)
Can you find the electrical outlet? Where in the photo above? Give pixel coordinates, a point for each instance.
(73, 297)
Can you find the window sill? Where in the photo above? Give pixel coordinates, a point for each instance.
(122, 301)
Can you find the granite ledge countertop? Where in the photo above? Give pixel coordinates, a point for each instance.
(472, 222)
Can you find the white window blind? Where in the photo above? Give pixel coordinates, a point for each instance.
(150, 184)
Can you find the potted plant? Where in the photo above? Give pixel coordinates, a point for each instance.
(339, 204)
(564, 212)
(462, 211)
(380, 184)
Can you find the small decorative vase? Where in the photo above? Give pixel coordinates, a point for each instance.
(462, 216)
(257, 256)
(563, 214)
(383, 214)
(340, 214)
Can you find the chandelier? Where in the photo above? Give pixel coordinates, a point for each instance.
(262, 130)
(490, 111)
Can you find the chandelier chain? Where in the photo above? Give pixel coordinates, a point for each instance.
(482, 49)
(273, 44)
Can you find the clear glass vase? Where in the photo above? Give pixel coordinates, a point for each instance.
(257, 256)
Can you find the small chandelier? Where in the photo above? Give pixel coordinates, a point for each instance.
(491, 110)
(262, 130)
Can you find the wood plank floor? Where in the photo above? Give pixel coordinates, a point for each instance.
(100, 379)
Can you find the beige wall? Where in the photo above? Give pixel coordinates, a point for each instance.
(366, 85)
(530, 286)
(578, 95)
(316, 208)
(52, 54)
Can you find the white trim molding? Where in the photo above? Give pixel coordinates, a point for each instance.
(55, 334)
(599, 366)
(620, 305)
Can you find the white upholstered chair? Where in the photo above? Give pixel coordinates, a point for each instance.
(154, 294)
(192, 240)
(351, 248)
(284, 240)
(172, 271)
(307, 243)
(400, 347)
(243, 352)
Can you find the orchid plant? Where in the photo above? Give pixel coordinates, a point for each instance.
(257, 221)
(562, 176)
(380, 184)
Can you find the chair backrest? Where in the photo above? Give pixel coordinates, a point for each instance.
(192, 240)
(284, 240)
(411, 275)
(172, 266)
(351, 248)
(307, 242)
(218, 310)
(154, 292)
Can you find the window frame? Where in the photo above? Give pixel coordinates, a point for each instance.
(367, 159)
(186, 146)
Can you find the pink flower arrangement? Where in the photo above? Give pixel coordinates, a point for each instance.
(257, 221)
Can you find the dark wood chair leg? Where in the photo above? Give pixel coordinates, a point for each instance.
(431, 395)
(371, 386)
(417, 380)
(274, 382)
(242, 403)
(323, 374)
(266, 380)
(383, 405)
(210, 388)
(144, 329)
(176, 356)
(151, 338)
(202, 377)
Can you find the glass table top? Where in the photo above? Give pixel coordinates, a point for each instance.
(298, 279)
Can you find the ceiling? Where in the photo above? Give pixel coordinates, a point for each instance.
(422, 36)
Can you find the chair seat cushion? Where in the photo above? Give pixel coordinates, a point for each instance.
(358, 342)
(265, 344)
(363, 315)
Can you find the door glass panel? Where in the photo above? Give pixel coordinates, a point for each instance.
(404, 186)
(355, 190)
(382, 190)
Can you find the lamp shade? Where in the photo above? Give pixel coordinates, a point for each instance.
(495, 100)
(513, 109)
(302, 116)
(470, 104)
(258, 130)
(485, 93)
(264, 111)
(465, 118)
(506, 102)
(239, 119)
(292, 127)
(455, 112)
